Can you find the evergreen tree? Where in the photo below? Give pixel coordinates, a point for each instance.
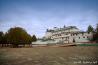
(34, 38)
(95, 35)
(96, 30)
(90, 29)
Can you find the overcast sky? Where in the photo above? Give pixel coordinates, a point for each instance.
(35, 16)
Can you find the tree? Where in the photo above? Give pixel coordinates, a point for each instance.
(96, 30)
(95, 35)
(34, 38)
(17, 35)
(1, 37)
(90, 29)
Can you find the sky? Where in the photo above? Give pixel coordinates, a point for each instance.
(35, 16)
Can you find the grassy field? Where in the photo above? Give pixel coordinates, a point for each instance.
(87, 44)
(76, 55)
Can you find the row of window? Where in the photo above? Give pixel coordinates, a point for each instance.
(68, 37)
(74, 34)
(65, 34)
(84, 37)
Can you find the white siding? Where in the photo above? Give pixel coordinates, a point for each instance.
(67, 35)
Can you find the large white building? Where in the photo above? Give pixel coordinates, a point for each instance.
(70, 34)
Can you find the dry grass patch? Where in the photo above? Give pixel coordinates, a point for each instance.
(49, 56)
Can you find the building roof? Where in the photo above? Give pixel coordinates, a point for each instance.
(55, 29)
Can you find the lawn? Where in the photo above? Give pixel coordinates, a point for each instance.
(76, 55)
(88, 44)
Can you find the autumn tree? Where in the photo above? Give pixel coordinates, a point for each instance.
(17, 35)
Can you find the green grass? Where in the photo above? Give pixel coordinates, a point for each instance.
(88, 44)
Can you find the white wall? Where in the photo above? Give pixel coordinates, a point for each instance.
(64, 32)
(48, 34)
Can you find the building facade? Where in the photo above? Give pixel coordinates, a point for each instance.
(70, 34)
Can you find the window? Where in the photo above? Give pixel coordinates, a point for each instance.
(76, 34)
(83, 37)
(68, 37)
(79, 37)
(82, 33)
(73, 34)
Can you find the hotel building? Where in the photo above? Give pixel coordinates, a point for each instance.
(70, 34)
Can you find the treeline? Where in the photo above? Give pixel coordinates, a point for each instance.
(16, 37)
(95, 33)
